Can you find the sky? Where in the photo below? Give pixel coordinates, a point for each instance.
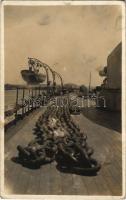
(73, 40)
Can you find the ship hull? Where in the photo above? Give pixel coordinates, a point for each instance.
(33, 78)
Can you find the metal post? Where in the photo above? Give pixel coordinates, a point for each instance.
(16, 104)
(35, 96)
(23, 102)
(39, 97)
(32, 98)
(28, 99)
(89, 83)
(61, 80)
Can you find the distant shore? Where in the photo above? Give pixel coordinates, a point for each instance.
(15, 86)
(11, 86)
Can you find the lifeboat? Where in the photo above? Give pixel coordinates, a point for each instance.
(32, 77)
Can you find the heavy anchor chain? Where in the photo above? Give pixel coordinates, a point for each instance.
(59, 138)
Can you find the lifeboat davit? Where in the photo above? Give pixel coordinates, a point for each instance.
(32, 77)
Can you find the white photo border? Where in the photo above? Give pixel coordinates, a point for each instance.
(62, 3)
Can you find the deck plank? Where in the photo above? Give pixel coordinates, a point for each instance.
(79, 185)
(91, 185)
(55, 180)
(102, 186)
(67, 184)
(48, 180)
(44, 180)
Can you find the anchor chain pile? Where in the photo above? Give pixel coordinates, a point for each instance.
(59, 138)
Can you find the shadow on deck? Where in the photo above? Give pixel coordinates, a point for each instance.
(108, 119)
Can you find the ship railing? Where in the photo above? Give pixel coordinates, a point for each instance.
(26, 101)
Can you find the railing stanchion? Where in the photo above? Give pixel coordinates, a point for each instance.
(28, 99)
(16, 108)
(32, 98)
(23, 102)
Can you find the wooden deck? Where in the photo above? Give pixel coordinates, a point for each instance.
(48, 180)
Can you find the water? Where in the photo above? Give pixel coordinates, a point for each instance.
(10, 98)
